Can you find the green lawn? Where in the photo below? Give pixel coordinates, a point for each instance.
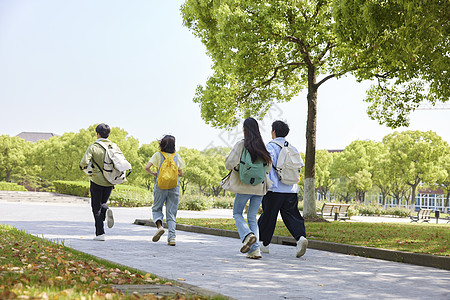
(35, 268)
(418, 238)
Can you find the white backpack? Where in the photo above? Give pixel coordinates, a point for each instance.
(115, 165)
(289, 164)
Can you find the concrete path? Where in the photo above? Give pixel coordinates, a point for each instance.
(215, 263)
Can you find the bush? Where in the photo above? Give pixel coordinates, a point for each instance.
(369, 210)
(9, 186)
(397, 211)
(130, 196)
(195, 202)
(75, 188)
(122, 195)
(223, 202)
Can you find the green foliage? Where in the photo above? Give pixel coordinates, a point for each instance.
(13, 156)
(195, 202)
(9, 186)
(261, 51)
(415, 155)
(404, 44)
(223, 202)
(128, 196)
(75, 188)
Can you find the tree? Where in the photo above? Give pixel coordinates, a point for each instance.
(13, 154)
(324, 182)
(356, 163)
(145, 152)
(381, 177)
(267, 51)
(415, 155)
(443, 181)
(405, 45)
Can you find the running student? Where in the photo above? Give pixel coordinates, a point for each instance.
(100, 187)
(252, 150)
(169, 167)
(281, 198)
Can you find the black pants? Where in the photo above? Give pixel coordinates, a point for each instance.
(287, 205)
(99, 197)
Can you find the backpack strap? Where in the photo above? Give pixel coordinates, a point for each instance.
(286, 144)
(166, 156)
(104, 147)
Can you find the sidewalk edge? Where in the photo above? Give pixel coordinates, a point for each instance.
(426, 260)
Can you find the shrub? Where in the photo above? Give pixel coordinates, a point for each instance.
(9, 186)
(75, 188)
(130, 196)
(369, 210)
(223, 202)
(195, 202)
(397, 211)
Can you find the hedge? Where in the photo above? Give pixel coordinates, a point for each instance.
(122, 195)
(9, 186)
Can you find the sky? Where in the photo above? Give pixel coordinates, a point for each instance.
(66, 65)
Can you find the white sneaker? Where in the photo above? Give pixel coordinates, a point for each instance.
(302, 244)
(254, 254)
(249, 240)
(100, 237)
(158, 234)
(171, 242)
(109, 218)
(264, 249)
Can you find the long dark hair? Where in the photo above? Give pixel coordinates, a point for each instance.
(253, 141)
(167, 144)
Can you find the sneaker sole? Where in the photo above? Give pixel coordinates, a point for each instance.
(247, 246)
(302, 250)
(110, 218)
(158, 235)
(254, 257)
(171, 243)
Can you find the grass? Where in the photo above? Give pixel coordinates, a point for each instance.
(35, 268)
(423, 238)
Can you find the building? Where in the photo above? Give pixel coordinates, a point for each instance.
(35, 136)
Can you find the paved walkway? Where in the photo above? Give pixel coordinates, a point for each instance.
(214, 263)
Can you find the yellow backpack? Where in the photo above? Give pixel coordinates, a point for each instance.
(168, 172)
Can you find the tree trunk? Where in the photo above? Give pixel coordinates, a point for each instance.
(446, 202)
(309, 197)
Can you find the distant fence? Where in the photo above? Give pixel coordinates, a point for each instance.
(428, 200)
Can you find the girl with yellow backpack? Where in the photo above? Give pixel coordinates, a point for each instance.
(169, 167)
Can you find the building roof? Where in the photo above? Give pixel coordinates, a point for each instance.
(35, 136)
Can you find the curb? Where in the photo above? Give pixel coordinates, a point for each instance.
(426, 260)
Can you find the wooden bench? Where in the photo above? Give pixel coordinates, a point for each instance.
(330, 209)
(423, 215)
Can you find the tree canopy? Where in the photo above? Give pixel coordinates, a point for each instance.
(267, 51)
(404, 45)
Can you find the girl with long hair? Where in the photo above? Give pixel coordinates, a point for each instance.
(253, 145)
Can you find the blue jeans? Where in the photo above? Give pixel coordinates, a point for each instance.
(238, 209)
(169, 197)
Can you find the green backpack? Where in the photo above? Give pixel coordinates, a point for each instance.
(252, 173)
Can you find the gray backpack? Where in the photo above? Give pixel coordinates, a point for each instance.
(115, 166)
(289, 164)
